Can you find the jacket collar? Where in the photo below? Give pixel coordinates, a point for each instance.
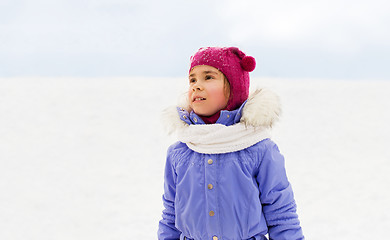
(262, 109)
(226, 117)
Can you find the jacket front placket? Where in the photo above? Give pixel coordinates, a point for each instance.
(211, 190)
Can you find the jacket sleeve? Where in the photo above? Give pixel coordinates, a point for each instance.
(167, 229)
(277, 197)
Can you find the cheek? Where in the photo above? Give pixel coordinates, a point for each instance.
(189, 93)
(218, 93)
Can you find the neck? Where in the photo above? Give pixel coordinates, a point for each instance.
(211, 119)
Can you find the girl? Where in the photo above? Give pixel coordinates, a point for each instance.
(225, 179)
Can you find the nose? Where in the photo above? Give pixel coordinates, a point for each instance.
(197, 86)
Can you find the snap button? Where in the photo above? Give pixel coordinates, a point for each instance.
(184, 116)
(210, 186)
(228, 116)
(211, 213)
(195, 119)
(215, 238)
(210, 161)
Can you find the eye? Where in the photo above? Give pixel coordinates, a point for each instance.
(208, 77)
(192, 80)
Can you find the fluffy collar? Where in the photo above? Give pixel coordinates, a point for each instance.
(260, 112)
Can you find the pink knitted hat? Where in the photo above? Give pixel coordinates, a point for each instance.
(234, 64)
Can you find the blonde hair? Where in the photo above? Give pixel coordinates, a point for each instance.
(226, 87)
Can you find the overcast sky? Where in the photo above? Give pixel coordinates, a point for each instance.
(339, 39)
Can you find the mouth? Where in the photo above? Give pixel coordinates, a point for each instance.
(198, 99)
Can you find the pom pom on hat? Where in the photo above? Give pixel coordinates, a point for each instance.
(248, 63)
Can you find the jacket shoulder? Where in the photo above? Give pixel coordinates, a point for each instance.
(176, 148)
(264, 144)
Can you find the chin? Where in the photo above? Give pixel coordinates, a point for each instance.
(203, 113)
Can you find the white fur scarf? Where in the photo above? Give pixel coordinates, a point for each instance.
(259, 113)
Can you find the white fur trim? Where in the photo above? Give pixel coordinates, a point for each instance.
(262, 109)
(172, 121)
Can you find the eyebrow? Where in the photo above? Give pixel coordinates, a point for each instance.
(205, 72)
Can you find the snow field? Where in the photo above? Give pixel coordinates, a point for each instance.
(84, 158)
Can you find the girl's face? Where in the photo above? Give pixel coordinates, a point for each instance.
(209, 90)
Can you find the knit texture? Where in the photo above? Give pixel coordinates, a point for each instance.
(218, 138)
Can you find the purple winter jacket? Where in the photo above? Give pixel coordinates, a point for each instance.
(235, 195)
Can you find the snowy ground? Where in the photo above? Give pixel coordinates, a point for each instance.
(83, 158)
